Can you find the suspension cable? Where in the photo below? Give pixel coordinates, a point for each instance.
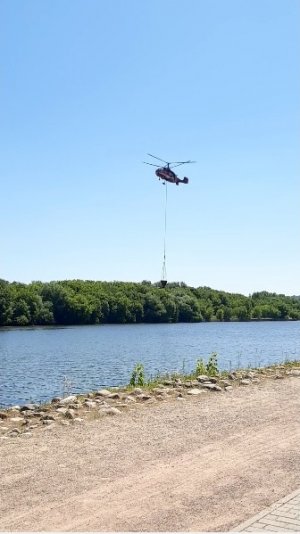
(164, 269)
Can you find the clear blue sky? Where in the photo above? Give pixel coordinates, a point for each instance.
(88, 87)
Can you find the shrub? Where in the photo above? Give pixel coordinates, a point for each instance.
(138, 375)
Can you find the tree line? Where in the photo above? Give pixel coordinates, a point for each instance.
(73, 302)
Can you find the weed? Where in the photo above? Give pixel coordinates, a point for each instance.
(200, 367)
(138, 375)
(212, 365)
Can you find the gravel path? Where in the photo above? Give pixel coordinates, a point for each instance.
(199, 464)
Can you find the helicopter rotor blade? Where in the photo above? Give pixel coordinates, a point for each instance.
(177, 164)
(167, 162)
(182, 162)
(151, 164)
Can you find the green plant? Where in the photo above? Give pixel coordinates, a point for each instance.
(138, 375)
(200, 367)
(212, 365)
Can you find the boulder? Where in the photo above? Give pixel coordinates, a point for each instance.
(70, 414)
(29, 407)
(67, 400)
(202, 378)
(245, 382)
(114, 396)
(103, 393)
(62, 410)
(3, 415)
(90, 404)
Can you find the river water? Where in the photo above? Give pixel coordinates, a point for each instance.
(39, 363)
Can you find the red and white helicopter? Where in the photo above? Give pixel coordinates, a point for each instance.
(166, 174)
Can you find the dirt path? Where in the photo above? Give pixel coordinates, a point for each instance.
(199, 464)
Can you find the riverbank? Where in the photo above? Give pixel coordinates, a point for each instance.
(169, 458)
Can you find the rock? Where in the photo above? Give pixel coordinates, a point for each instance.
(188, 384)
(14, 410)
(211, 387)
(255, 381)
(143, 397)
(90, 404)
(114, 396)
(202, 378)
(160, 391)
(103, 393)
(278, 376)
(27, 434)
(76, 405)
(55, 400)
(129, 399)
(194, 391)
(250, 375)
(245, 382)
(110, 411)
(16, 419)
(3, 415)
(137, 391)
(47, 421)
(4, 428)
(213, 379)
(168, 383)
(295, 372)
(177, 381)
(232, 376)
(67, 400)
(78, 420)
(29, 407)
(48, 417)
(228, 388)
(70, 414)
(225, 383)
(61, 410)
(14, 433)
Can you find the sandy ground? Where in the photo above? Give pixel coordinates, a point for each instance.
(200, 464)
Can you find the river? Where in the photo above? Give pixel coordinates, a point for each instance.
(39, 363)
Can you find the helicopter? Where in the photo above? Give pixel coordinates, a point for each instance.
(165, 172)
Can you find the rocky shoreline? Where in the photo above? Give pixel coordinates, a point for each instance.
(23, 421)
